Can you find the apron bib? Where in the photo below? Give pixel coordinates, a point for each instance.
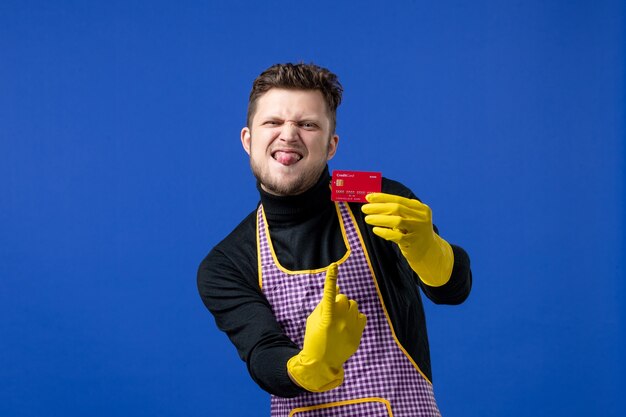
(380, 379)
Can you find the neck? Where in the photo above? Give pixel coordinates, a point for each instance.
(290, 208)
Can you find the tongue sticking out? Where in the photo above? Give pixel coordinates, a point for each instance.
(286, 158)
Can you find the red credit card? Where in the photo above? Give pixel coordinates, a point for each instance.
(353, 186)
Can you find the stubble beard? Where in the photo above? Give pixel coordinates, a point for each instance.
(299, 185)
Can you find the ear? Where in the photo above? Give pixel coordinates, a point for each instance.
(332, 146)
(245, 139)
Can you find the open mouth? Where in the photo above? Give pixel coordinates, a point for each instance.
(286, 157)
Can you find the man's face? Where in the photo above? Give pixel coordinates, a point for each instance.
(290, 140)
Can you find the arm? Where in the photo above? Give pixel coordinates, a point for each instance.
(453, 286)
(229, 289)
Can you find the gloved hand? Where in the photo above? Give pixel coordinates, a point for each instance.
(408, 223)
(333, 333)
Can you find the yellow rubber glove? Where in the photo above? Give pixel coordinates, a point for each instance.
(408, 223)
(333, 333)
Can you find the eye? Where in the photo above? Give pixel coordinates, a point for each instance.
(308, 125)
(271, 123)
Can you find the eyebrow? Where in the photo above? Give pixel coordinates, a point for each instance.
(299, 119)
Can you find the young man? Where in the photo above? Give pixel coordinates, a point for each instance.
(322, 299)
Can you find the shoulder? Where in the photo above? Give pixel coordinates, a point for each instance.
(236, 250)
(241, 234)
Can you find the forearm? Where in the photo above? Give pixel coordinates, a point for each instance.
(242, 312)
(458, 287)
(267, 366)
(435, 267)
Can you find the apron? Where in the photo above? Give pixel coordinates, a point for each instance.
(380, 379)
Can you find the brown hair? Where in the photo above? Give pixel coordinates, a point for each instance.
(298, 77)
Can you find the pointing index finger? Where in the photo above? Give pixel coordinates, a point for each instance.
(330, 292)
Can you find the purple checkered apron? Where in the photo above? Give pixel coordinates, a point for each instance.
(380, 379)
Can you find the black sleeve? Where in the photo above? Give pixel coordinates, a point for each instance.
(228, 286)
(458, 287)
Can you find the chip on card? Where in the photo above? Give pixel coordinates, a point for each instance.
(353, 186)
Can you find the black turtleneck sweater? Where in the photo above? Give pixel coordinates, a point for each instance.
(306, 234)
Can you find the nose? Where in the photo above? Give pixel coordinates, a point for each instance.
(289, 131)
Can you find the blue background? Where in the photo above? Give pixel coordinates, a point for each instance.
(121, 166)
